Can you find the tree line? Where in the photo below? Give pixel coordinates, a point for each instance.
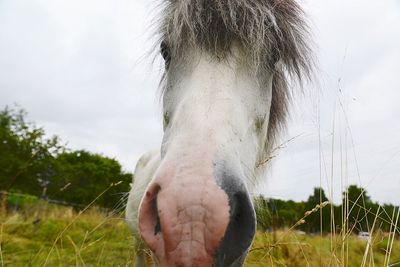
(32, 163)
(356, 213)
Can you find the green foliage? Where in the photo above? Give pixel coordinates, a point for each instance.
(21, 200)
(79, 177)
(361, 209)
(277, 213)
(356, 213)
(356, 195)
(322, 217)
(317, 197)
(25, 152)
(263, 213)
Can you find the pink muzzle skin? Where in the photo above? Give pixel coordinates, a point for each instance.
(184, 214)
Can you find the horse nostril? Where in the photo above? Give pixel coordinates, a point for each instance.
(236, 209)
(237, 217)
(240, 231)
(242, 211)
(157, 227)
(149, 219)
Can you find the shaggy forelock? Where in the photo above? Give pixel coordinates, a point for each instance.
(273, 34)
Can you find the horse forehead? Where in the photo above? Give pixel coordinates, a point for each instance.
(206, 80)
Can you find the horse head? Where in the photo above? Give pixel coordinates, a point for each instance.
(225, 92)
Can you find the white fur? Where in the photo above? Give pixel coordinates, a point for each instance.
(215, 103)
(218, 101)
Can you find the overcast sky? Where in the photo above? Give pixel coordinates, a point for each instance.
(81, 71)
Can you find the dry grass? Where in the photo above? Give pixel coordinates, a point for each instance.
(49, 235)
(296, 248)
(306, 250)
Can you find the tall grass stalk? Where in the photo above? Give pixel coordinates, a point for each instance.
(368, 248)
(1, 242)
(76, 218)
(392, 236)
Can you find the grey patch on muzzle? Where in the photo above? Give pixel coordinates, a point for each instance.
(241, 229)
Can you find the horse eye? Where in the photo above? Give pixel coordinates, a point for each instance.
(166, 119)
(165, 52)
(259, 124)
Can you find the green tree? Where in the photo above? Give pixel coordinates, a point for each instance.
(263, 213)
(27, 156)
(317, 197)
(320, 220)
(357, 195)
(81, 176)
(25, 153)
(361, 209)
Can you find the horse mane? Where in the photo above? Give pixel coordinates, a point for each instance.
(273, 33)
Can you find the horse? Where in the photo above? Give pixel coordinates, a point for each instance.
(229, 69)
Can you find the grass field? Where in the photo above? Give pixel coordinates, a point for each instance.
(49, 235)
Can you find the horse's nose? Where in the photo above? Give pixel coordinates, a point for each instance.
(242, 223)
(183, 220)
(202, 221)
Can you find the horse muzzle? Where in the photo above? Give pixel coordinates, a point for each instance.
(197, 216)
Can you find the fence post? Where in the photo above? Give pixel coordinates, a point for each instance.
(3, 203)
